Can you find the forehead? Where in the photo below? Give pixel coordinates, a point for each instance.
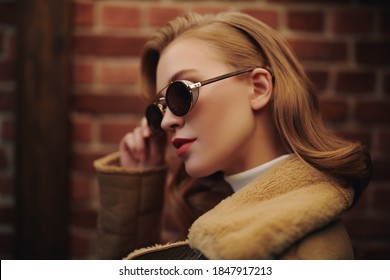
(183, 54)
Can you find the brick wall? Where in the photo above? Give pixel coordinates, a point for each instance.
(344, 46)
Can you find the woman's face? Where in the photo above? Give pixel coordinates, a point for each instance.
(216, 135)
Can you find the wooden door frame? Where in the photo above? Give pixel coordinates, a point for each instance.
(42, 129)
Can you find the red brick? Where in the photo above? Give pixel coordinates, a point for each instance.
(118, 75)
(82, 74)
(159, 16)
(361, 136)
(319, 78)
(380, 170)
(8, 12)
(352, 22)
(83, 13)
(121, 16)
(7, 100)
(355, 82)
(376, 250)
(110, 103)
(83, 161)
(80, 245)
(333, 110)
(312, 21)
(312, 1)
(373, 52)
(84, 218)
(354, 212)
(362, 203)
(209, 9)
(113, 132)
(81, 130)
(81, 189)
(319, 50)
(365, 226)
(267, 16)
(107, 45)
(383, 142)
(382, 199)
(373, 111)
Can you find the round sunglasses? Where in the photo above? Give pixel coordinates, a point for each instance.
(180, 98)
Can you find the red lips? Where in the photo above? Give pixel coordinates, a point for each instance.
(182, 144)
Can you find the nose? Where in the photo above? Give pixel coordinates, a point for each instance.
(171, 122)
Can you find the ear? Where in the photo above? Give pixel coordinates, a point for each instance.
(262, 88)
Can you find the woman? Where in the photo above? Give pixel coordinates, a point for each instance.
(236, 107)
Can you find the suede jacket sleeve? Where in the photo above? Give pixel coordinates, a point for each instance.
(130, 210)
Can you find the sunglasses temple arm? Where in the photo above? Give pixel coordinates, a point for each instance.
(225, 76)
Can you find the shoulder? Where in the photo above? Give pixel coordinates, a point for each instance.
(281, 209)
(328, 243)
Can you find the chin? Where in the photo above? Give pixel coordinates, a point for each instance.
(196, 171)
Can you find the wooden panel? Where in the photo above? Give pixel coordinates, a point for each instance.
(42, 130)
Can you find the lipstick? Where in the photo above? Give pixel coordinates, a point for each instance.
(182, 145)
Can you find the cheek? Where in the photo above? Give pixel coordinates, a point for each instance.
(219, 147)
(221, 107)
(222, 123)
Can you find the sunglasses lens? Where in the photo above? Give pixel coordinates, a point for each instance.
(154, 117)
(178, 98)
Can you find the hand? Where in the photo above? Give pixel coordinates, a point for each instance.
(141, 148)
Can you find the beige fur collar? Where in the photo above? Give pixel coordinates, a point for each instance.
(265, 218)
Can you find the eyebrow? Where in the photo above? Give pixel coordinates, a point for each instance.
(181, 73)
(177, 76)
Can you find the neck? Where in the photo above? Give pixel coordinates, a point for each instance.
(262, 146)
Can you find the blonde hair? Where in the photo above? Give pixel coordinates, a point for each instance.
(243, 42)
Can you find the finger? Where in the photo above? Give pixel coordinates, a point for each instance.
(126, 154)
(133, 143)
(157, 148)
(139, 144)
(145, 128)
(124, 143)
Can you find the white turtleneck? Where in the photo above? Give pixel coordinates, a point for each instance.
(240, 180)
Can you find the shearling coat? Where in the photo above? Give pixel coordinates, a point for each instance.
(291, 212)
